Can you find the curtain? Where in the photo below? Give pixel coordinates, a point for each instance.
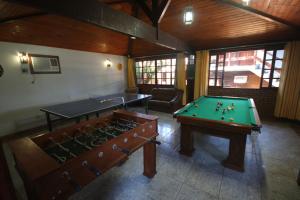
(180, 75)
(201, 73)
(288, 97)
(130, 74)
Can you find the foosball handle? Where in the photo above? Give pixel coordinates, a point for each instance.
(156, 142)
(75, 185)
(93, 169)
(126, 151)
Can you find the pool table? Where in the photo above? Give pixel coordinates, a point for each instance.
(227, 117)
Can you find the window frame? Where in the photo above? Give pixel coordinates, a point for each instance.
(156, 59)
(225, 51)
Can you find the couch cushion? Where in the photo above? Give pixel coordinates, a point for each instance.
(163, 94)
(158, 103)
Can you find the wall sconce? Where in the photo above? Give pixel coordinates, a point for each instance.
(188, 15)
(23, 57)
(108, 63)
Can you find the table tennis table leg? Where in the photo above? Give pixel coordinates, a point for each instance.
(49, 123)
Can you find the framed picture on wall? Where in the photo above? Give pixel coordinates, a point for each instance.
(44, 64)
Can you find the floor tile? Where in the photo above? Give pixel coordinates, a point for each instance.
(272, 162)
(190, 193)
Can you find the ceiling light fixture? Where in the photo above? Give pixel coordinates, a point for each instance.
(188, 16)
(132, 37)
(246, 2)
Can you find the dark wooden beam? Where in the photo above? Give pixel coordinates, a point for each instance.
(260, 14)
(155, 12)
(162, 9)
(135, 11)
(146, 9)
(102, 15)
(10, 19)
(115, 2)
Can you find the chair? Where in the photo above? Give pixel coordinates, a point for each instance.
(166, 99)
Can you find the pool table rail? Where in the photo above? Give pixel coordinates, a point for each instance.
(254, 126)
(258, 124)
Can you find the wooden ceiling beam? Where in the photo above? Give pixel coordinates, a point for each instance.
(162, 9)
(260, 14)
(102, 15)
(10, 19)
(146, 9)
(157, 12)
(135, 11)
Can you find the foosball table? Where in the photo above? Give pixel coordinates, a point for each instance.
(57, 164)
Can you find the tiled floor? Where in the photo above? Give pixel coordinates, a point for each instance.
(272, 163)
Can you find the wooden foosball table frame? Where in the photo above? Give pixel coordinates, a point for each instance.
(46, 178)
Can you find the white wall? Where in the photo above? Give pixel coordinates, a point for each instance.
(83, 75)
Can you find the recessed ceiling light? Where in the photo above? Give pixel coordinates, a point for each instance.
(132, 37)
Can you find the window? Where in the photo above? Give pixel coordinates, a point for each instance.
(158, 71)
(246, 69)
(272, 68)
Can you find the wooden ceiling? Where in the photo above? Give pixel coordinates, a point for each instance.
(215, 25)
(219, 25)
(288, 10)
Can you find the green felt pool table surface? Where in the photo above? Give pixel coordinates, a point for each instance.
(205, 108)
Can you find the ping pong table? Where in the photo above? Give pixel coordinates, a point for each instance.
(94, 105)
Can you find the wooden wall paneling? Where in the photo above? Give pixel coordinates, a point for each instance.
(102, 15)
(57, 31)
(215, 25)
(144, 48)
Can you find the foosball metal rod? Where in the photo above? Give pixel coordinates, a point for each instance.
(63, 148)
(81, 131)
(123, 150)
(105, 132)
(147, 139)
(124, 125)
(111, 127)
(77, 141)
(93, 169)
(117, 129)
(61, 159)
(129, 121)
(72, 182)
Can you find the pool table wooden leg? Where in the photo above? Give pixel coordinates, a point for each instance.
(149, 160)
(298, 178)
(237, 146)
(186, 140)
